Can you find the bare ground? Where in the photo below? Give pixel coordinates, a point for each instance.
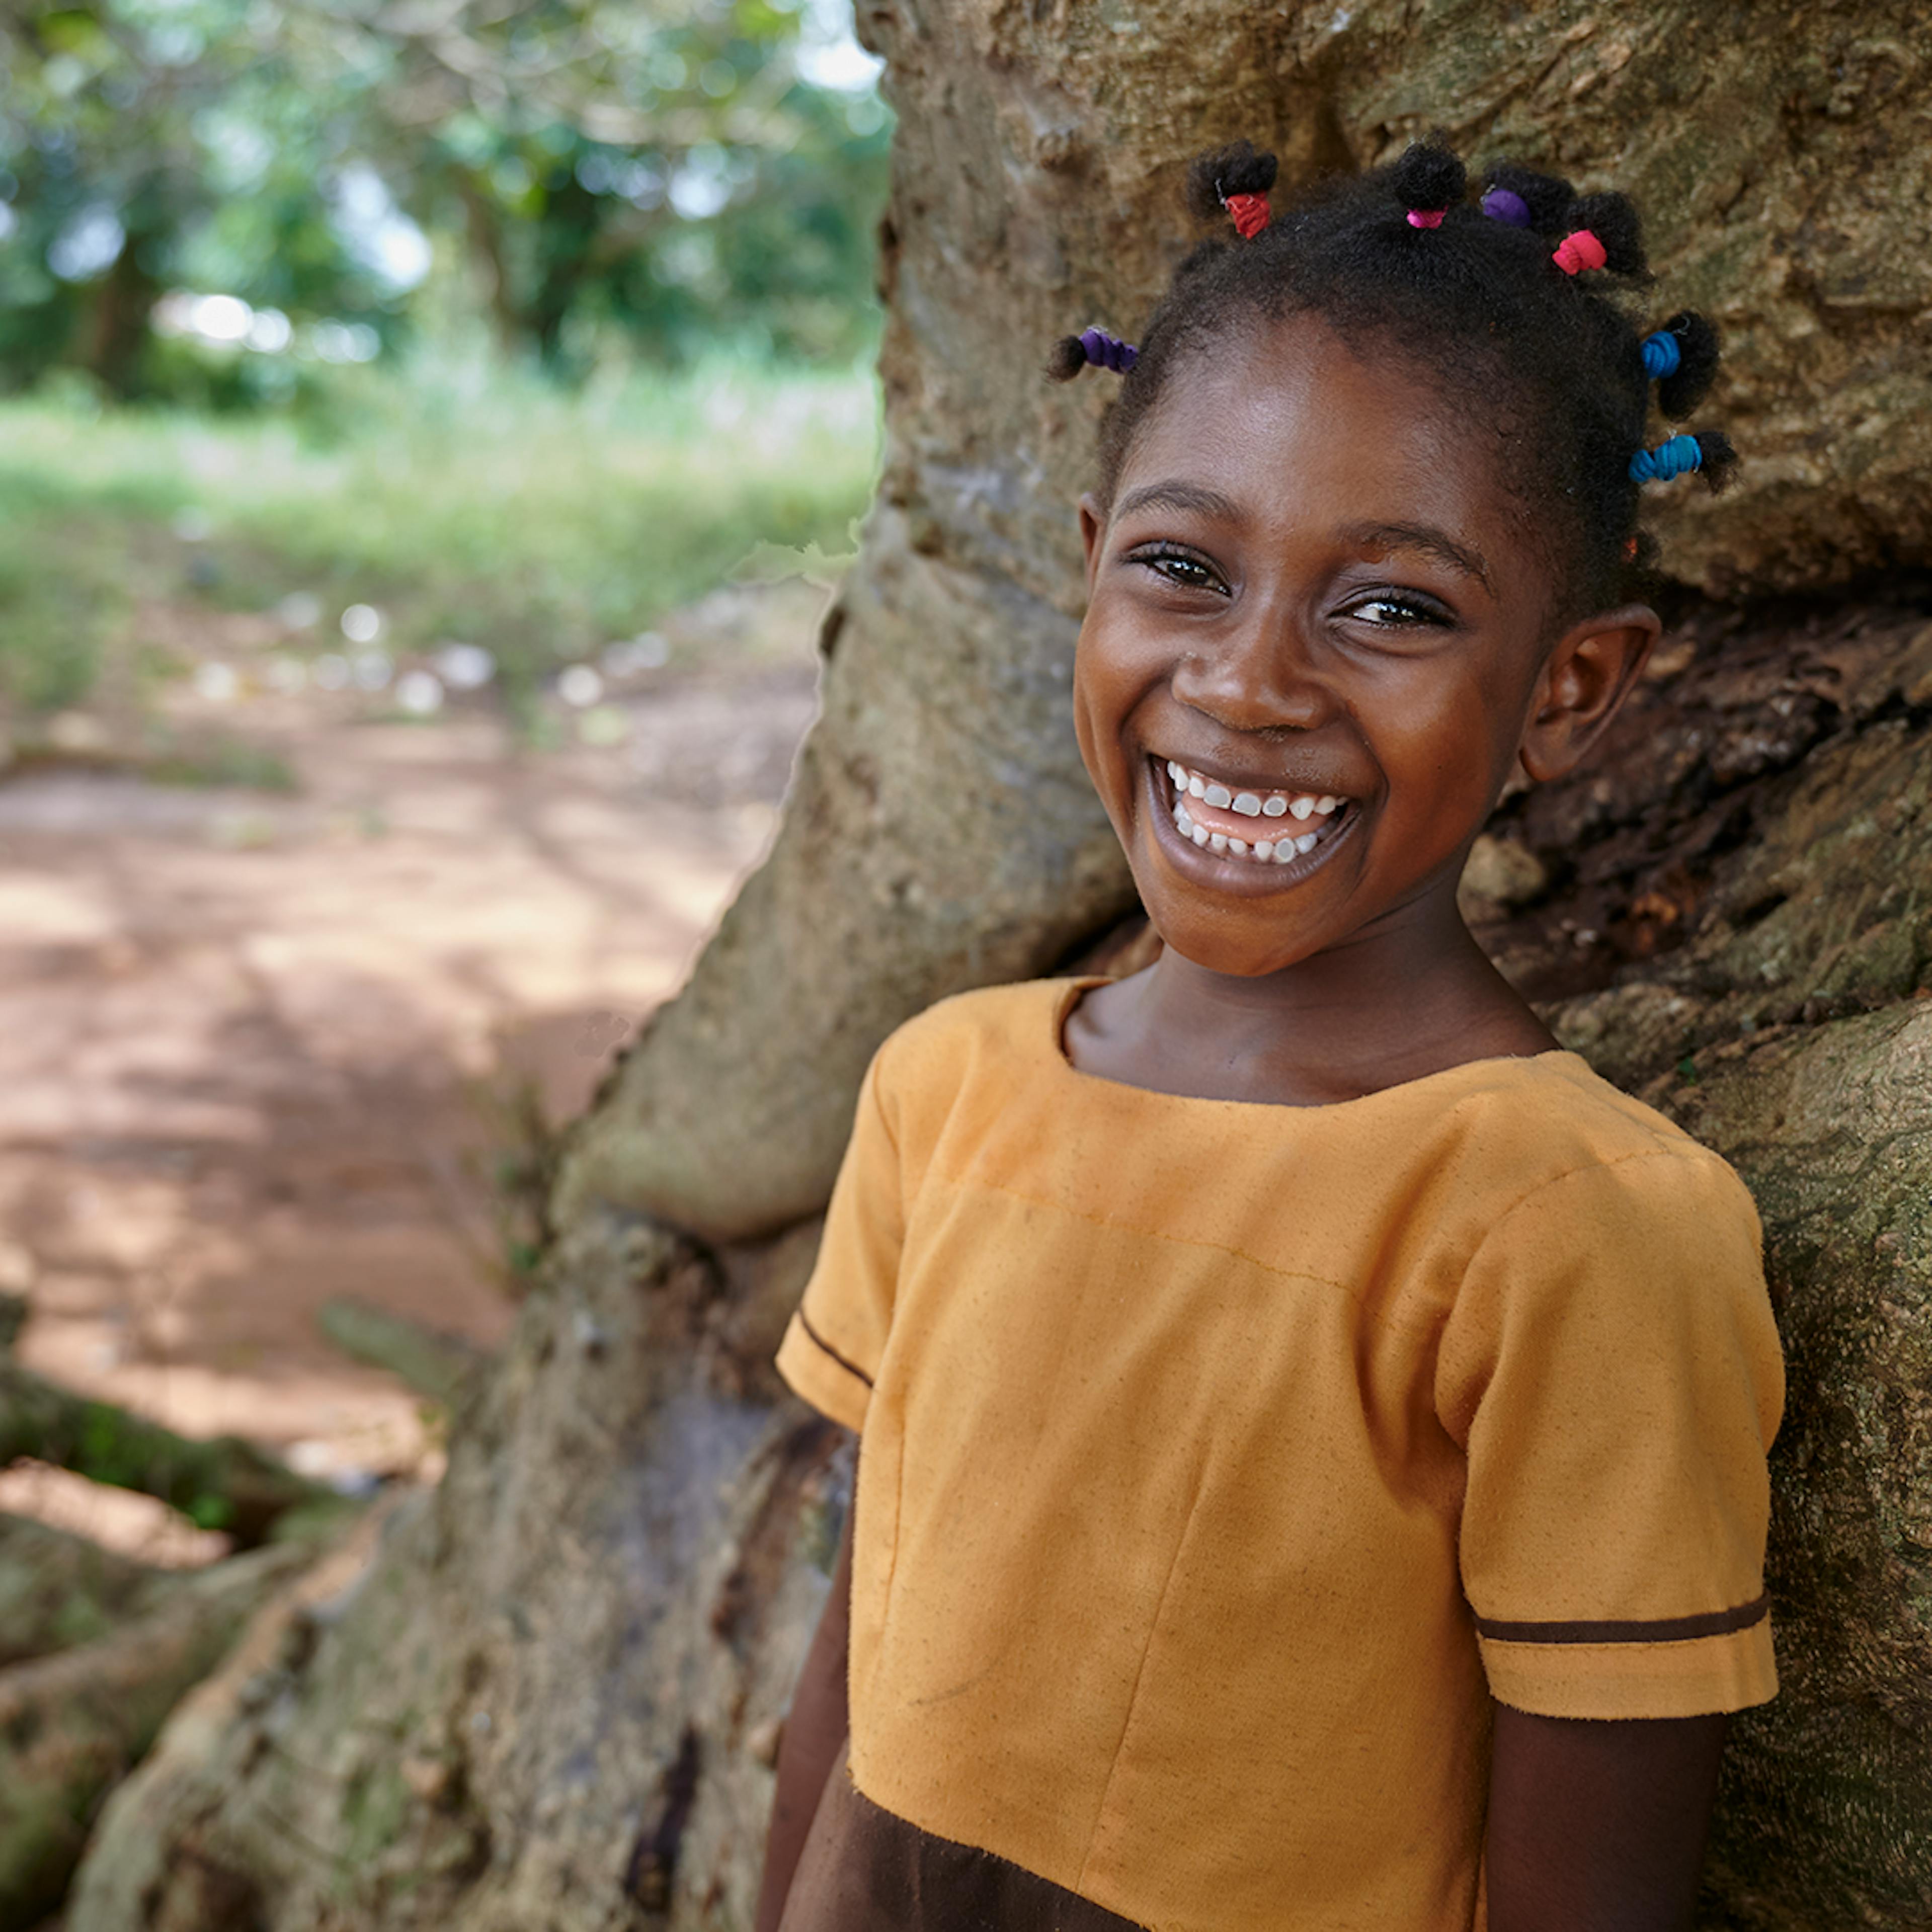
(261, 1049)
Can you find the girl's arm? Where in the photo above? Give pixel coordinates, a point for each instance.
(1596, 1825)
(814, 1733)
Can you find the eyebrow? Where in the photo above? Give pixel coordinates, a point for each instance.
(1176, 495)
(1424, 537)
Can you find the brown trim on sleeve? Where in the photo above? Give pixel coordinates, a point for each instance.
(1651, 1630)
(851, 1368)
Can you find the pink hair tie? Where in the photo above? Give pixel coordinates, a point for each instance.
(1426, 217)
(1578, 250)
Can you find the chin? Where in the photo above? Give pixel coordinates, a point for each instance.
(1225, 940)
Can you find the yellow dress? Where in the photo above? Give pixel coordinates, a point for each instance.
(1220, 1462)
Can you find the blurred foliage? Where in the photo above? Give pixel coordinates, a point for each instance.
(573, 168)
(467, 504)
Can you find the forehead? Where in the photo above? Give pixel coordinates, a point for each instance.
(1287, 419)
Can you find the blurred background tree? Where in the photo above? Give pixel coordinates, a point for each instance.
(196, 197)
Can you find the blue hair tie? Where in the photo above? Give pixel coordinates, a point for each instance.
(1504, 204)
(1663, 356)
(1674, 458)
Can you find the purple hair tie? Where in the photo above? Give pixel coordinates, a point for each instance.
(1504, 204)
(1109, 352)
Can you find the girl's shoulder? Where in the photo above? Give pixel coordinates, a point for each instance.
(1012, 1026)
(1558, 1105)
(1549, 1125)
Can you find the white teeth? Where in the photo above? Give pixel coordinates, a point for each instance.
(1188, 785)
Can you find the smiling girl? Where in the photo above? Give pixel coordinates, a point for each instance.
(1312, 1470)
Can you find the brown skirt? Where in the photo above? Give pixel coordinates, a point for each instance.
(864, 1869)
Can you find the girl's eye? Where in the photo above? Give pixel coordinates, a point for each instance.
(1180, 567)
(1388, 610)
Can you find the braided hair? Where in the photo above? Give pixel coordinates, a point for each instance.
(1519, 306)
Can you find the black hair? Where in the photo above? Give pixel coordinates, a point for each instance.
(1523, 307)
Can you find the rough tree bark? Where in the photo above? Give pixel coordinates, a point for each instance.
(550, 1700)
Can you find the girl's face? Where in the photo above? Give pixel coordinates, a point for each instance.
(1315, 634)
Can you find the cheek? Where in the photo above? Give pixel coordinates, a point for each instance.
(1105, 689)
(1453, 739)
(1085, 728)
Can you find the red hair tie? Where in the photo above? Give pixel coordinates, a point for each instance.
(1248, 212)
(1579, 250)
(1426, 217)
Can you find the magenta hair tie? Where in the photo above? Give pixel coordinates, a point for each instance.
(1579, 250)
(1426, 217)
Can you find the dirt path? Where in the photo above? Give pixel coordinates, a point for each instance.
(257, 1051)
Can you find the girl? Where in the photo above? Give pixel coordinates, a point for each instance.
(1312, 1461)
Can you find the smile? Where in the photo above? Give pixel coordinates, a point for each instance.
(1265, 827)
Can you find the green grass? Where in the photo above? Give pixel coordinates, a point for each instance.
(464, 503)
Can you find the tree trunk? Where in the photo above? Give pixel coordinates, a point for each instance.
(550, 1701)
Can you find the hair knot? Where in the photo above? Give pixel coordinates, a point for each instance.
(1578, 251)
(1693, 350)
(1234, 180)
(1544, 201)
(1429, 180)
(1092, 347)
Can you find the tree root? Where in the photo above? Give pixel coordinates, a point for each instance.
(221, 1483)
(58, 1590)
(72, 1724)
(437, 1365)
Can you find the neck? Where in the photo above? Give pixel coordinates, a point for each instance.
(1389, 1006)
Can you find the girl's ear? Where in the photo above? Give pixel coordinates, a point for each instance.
(1093, 529)
(1589, 673)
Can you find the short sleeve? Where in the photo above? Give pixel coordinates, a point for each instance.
(831, 1352)
(1612, 1369)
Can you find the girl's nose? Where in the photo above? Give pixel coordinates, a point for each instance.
(1255, 677)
